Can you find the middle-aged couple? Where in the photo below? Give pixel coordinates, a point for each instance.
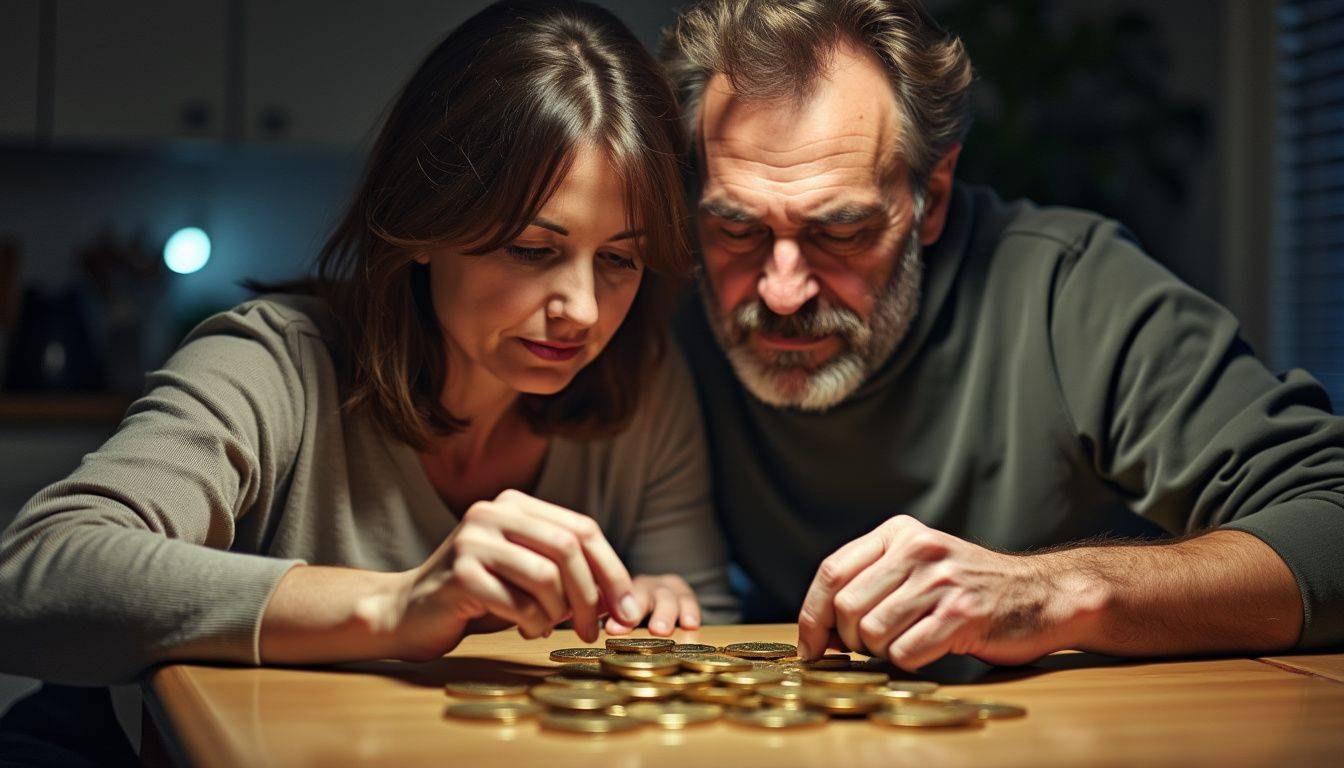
(922, 420)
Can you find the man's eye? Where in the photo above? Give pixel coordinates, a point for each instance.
(740, 234)
(523, 253)
(836, 237)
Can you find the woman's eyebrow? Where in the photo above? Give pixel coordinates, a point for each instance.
(551, 225)
(625, 235)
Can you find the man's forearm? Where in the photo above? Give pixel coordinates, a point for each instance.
(1225, 591)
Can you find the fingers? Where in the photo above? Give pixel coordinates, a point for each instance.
(613, 580)
(865, 591)
(817, 617)
(562, 548)
(535, 575)
(668, 600)
(895, 614)
(666, 608)
(928, 640)
(690, 610)
(500, 599)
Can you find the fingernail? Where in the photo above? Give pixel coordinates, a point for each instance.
(658, 626)
(803, 651)
(629, 609)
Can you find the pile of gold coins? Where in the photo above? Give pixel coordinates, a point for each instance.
(639, 682)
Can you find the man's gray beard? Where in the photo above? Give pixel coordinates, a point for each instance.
(785, 381)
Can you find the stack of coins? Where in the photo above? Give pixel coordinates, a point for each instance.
(633, 683)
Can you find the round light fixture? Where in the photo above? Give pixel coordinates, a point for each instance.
(187, 250)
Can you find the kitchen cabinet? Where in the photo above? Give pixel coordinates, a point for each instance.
(139, 71)
(322, 73)
(19, 52)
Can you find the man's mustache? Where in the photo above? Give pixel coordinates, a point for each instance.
(813, 320)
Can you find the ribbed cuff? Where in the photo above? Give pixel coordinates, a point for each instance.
(1308, 533)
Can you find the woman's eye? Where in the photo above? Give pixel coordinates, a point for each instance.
(617, 260)
(523, 253)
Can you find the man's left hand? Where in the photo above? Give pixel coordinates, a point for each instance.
(911, 594)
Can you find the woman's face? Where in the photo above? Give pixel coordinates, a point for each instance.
(535, 312)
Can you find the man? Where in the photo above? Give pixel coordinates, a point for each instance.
(905, 379)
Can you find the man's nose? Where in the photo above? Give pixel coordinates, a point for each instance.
(787, 283)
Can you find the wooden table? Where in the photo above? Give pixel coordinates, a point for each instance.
(1083, 709)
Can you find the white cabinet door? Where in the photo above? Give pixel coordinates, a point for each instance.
(321, 73)
(139, 71)
(19, 30)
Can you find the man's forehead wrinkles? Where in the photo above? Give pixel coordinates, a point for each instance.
(857, 142)
(849, 161)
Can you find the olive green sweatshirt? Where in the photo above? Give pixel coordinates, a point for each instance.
(1057, 385)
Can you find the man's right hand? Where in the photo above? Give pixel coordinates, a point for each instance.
(515, 560)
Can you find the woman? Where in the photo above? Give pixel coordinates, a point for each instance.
(479, 356)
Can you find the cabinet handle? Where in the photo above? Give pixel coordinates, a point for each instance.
(274, 122)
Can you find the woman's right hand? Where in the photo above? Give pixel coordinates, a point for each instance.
(514, 560)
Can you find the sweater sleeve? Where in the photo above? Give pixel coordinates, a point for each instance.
(1188, 426)
(125, 563)
(676, 531)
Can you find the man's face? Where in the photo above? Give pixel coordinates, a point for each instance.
(809, 232)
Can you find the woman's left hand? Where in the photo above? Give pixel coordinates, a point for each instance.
(667, 600)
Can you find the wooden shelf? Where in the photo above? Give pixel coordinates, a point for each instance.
(74, 409)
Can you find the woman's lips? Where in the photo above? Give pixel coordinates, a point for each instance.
(554, 352)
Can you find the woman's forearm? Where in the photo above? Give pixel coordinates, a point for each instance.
(312, 617)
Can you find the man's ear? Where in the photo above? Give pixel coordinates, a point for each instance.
(938, 196)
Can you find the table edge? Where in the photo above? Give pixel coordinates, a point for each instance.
(199, 742)
(1288, 664)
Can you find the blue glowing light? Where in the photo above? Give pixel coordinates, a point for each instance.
(187, 250)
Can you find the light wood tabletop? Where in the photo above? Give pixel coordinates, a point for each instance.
(1082, 710)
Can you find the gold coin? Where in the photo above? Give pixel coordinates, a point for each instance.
(917, 687)
(760, 650)
(994, 710)
(832, 661)
(713, 695)
(589, 668)
(482, 689)
(639, 644)
(920, 713)
(776, 718)
(587, 722)
(681, 681)
(584, 699)
(616, 710)
(683, 648)
(579, 654)
(749, 701)
(579, 681)
(674, 714)
(836, 679)
(641, 666)
(781, 695)
(838, 701)
(493, 711)
(713, 662)
(750, 679)
(644, 690)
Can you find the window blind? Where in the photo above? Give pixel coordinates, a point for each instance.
(1308, 291)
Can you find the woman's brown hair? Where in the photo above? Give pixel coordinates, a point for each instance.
(473, 146)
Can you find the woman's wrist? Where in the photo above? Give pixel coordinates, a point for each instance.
(320, 614)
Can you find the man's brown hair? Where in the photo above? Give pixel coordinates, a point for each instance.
(473, 146)
(770, 49)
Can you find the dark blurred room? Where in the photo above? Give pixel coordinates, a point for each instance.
(155, 154)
